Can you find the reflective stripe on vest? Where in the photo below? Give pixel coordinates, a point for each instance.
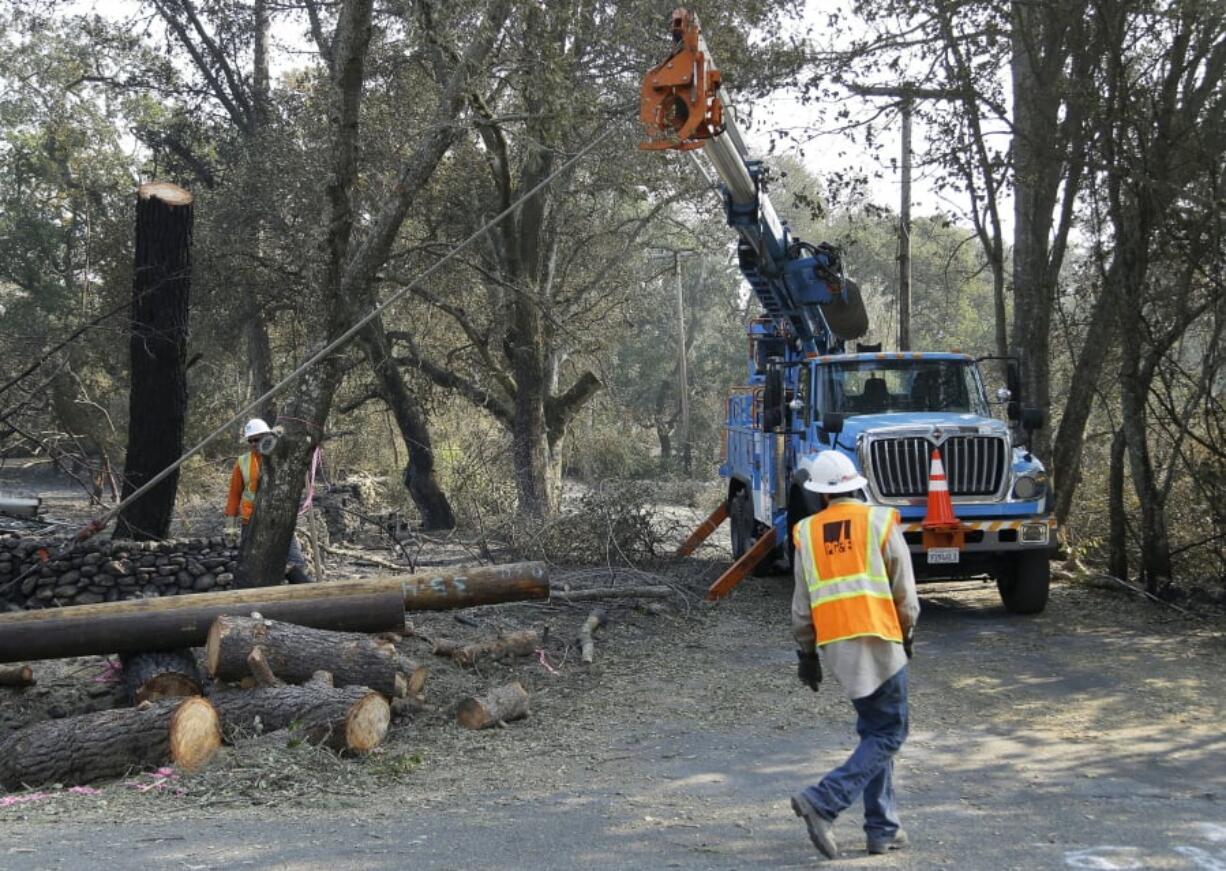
(841, 550)
(249, 465)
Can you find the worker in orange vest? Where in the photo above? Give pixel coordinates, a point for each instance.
(855, 601)
(244, 482)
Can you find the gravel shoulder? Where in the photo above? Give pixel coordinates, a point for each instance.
(1088, 737)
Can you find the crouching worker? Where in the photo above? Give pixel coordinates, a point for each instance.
(855, 600)
(244, 482)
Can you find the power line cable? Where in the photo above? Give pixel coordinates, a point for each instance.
(95, 526)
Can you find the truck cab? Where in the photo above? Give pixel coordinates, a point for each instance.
(888, 412)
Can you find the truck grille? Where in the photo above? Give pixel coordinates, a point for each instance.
(974, 465)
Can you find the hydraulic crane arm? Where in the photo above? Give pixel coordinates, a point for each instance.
(801, 286)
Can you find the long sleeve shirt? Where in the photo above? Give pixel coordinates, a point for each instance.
(861, 665)
(234, 500)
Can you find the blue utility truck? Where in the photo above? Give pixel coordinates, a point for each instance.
(806, 391)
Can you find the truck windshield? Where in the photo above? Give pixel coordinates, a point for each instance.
(879, 386)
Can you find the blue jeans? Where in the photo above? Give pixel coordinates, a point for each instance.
(882, 726)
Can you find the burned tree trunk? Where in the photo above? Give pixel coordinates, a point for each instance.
(158, 399)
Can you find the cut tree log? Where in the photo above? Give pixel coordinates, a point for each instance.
(650, 592)
(18, 676)
(376, 605)
(587, 643)
(108, 744)
(346, 719)
(294, 653)
(499, 705)
(522, 643)
(161, 674)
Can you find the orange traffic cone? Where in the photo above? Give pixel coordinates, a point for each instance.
(941, 526)
(940, 508)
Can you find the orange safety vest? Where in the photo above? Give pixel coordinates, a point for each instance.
(249, 466)
(842, 552)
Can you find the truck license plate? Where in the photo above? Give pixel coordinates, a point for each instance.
(943, 555)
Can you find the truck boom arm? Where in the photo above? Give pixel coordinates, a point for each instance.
(801, 286)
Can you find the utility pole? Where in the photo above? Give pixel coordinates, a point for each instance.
(683, 381)
(904, 233)
(906, 94)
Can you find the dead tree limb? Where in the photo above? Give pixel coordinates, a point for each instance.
(595, 621)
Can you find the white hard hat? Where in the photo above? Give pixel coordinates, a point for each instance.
(831, 472)
(255, 428)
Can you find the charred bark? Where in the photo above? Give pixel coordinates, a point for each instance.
(158, 346)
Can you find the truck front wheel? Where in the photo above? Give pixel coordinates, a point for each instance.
(741, 523)
(1024, 582)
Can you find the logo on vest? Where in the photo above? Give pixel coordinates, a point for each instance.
(837, 537)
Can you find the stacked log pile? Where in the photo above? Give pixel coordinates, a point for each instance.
(110, 571)
(283, 660)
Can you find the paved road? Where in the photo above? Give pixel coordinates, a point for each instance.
(1077, 740)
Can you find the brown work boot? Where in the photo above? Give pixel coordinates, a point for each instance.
(877, 846)
(821, 830)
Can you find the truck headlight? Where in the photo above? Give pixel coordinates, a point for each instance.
(1030, 486)
(1034, 533)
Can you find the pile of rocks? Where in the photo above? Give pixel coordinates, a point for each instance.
(107, 571)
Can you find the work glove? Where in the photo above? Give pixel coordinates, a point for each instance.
(809, 669)
(907, 642)
(231, 531)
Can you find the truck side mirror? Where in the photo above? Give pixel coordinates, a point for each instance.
(773, 395)
(1032, 419)
(1013, 383)
(1013, 378)
(832, 422)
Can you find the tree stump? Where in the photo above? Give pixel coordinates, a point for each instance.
(499, 705)
(294, 653)
(346, 719)
(148, 677)
(108, 744)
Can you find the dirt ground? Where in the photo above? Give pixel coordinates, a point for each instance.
(1087, 737)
